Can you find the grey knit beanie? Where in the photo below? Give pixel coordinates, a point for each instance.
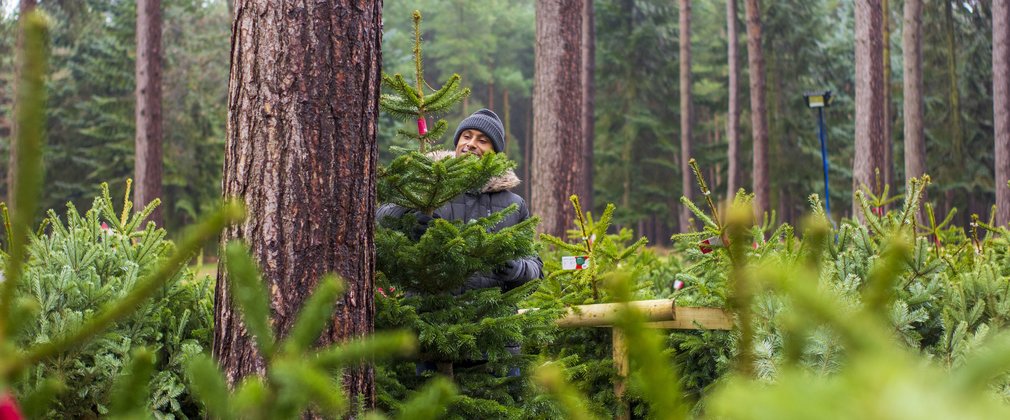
(486, 122)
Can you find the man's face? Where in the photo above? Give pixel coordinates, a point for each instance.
(474, 142)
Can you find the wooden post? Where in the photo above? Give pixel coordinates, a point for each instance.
(622, 366)
(659, 313)
(696, 318)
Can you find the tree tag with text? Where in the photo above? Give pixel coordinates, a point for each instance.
(575, 262)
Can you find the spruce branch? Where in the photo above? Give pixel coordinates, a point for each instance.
(315, 315)
(435, 100)
(706, 192)
(7, 227)
(250, 294)
(127, 205)
(30, 117)
(229, 213)
(417, 57)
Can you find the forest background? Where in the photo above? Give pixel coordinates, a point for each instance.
(807, 45)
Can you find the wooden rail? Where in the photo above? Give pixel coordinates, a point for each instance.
(659, 313)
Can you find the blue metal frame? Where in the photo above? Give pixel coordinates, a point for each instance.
(823, 134)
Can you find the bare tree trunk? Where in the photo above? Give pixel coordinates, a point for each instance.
(147, 112)
(1001, 105)
(954, 96)
(733, 114)
(869, 97)
(24, 7)
(589, 100)
(301, 154)
(558, 158)
(887, 171)
(758, 112)
(508, 117)
(490, 94)
(686, 111)
(528, 158)
(911, 40)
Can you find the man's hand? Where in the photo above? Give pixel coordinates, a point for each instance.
(508, 270)
(423, 220)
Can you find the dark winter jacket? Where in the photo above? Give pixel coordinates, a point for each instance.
(494, 196)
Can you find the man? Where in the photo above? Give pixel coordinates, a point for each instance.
(482, 132)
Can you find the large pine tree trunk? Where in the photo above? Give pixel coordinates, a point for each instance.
(869, 97)
(147, 112)
(686, 122)
(589, 100)
(759, 122)
(911, 40)
(733, 113)
(955, 161)
(301, 154)
(1001, 105)
(558, 130)
(887, 171)
(24, 7)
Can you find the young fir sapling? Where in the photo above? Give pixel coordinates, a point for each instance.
(464, 333)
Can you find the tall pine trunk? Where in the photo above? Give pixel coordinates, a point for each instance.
(147, 112)
(887, 172)
(301, 155)
(686, 123)
(733, 113)
(911, 40)
(1001, 105)
(956, 159)
(558, 129)
(759, 122)
(869, 98)
(589, 100)
(24, 7)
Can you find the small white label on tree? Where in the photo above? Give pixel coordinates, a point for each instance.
(575, 262)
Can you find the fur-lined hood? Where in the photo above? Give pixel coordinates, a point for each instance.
(505, 181)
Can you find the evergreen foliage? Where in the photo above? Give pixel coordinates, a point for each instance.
(90, 117)
(462, 332)
(92, 261)
(63, 288)
(297, 377)
(409, 102)
(863, 320)
(490, 44)
(584, 355)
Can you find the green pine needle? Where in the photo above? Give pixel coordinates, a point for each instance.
(314, 316)
(250, 295)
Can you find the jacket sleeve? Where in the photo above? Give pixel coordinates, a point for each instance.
(510, 275)
(521, 271)
(513, 273)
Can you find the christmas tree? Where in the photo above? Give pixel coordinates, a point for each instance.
(435, 272)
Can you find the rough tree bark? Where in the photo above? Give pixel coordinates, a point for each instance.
(1001, 105)
(24, 7)
(558, 158)
(589, 98)
(733, 113)
(911, 41)
(686, 111)
(301, 154)
(759, 122)
(869, 97)
(956, 135)
(147, 163)
(887, 172)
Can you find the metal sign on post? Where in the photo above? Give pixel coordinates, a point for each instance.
(821, 100)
